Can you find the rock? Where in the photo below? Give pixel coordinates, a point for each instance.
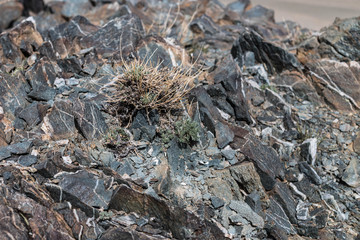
(82, 189)
(228, 153)
(246, 212)
(308, 150)
(277, 222)
(275, 58)
(175, 219)
(224, 135)
(223, 186)
(74, 8)
(60, 122)
(4, 153)
(20, 148)
(12, 93)
(33, 114)
(253, 200)
(265, 159)
(351, 175)
(238, 6)
(283, 196)
(310, 172)
(89, 120)
(259, 14)
(120, 36)
(28, 160)
(246, 176)
(217, 202)
(10, 11)
(342, 38)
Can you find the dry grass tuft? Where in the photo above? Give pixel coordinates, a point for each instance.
(143, 86)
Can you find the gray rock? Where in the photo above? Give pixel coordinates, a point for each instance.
(89, 120)
(28, 160)
(4, 153)
(351, 174)
(85, 188)
(10, 11)
(247, 177)
(217, 202)
(276, 220)
(228, 153)
(20, 148)
(308, 150)
(224, 135)
(275, 58)
(283, 196)
(310, 172)
(76, 7)
(246, 212)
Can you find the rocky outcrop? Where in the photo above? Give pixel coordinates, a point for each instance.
(267, 157)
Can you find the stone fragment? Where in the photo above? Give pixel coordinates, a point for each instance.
(246, 212)
(259, 13)
(247, 177)
(276, 220)
(89, 120)
(85, 188)
(224, 135)
(275, 58)
(283, 196)
(217, 202)
(10, 11)
(60, 122)
(357, 144)
(308, 150)
(310, 172)
(120, 36)
(352, 173)
(73, 8)
(12, 93)
(265, 159)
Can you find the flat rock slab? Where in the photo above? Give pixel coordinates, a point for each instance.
(352, 173)
(85, 187)
(244, 210)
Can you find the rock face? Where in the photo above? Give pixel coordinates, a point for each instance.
(273, 115)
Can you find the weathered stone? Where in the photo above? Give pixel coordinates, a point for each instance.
(276, 220)
(224, 135)
(246, 212)
(352, 173)
(33, 114)
(217, 202)
(120, 36)
(265, 159)
(224, 186)
(175, 219)
(357, 144)
(43, 93)
(74, 8)
(85, 188)
(283, 196)
(10, 11)
(89, 120)
(308, 150)
(60, 122)
(343, 38)
(245, 174)
(259, 14)
(41, 74)
(12, 93)
(310, 172)
(27, 160)
(338, 82)
(275, 58)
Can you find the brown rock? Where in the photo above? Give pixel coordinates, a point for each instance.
(10, 11)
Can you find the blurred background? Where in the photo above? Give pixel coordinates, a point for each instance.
(313, 14)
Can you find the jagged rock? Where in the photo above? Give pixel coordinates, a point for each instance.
(284, 197)
(42, 75)
(60, 122)
(246, 212)
(31, 202)
(12, 93)
(352, 173)
(338, 82)
(259, 14)
(275, 58)
(265, 159)
(120, 35)
(20, 42)
(238, 6)
(224, 135)
(74, 8)
(177, 220)
(34, 6)
(10, 11)
(277, 223)
(310, 172)
(83, 189)
(245, 174)
(217, 202)
(342, 38)
(308, 150)
(89, 119)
